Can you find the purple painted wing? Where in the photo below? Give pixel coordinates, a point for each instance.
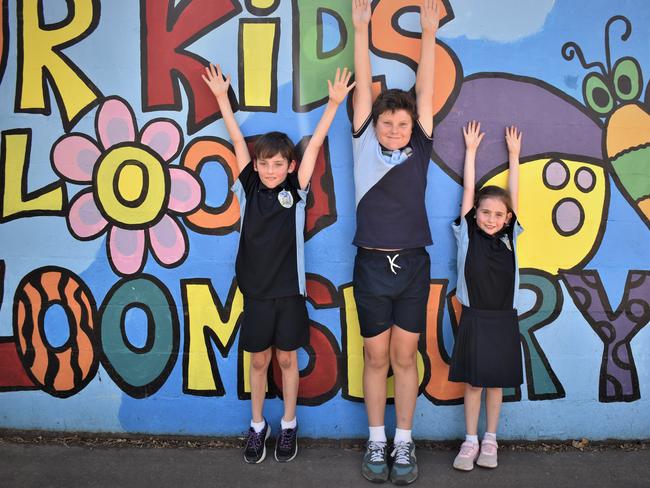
(551, 121)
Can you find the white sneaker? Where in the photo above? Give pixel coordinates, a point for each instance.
(488, 456)
(468, 453)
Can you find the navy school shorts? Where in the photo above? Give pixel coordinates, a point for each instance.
(280, 322)
(391, 287)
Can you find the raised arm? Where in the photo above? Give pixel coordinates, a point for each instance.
(473, 137)
(429, 18)
(219, 87)
(513, 141)
(362, 103)
(337, 93)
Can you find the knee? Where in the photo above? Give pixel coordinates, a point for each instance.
(403, 360)
(473, 390)
(286, 359)
(376, 360)
(260, 361)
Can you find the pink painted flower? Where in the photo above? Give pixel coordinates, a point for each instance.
(135, 194)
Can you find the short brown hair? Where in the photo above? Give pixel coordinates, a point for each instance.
(493, 191)
(272, 143)
(393, 100)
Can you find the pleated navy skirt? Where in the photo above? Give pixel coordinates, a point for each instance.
(487, 351)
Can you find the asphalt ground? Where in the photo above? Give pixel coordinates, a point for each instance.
(37, 461)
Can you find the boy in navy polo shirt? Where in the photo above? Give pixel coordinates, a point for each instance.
(270, 260)
(392, 143)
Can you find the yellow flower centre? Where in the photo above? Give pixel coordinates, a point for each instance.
(130, 181)
(131, 186)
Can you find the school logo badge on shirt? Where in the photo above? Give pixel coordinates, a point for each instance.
(285, 198)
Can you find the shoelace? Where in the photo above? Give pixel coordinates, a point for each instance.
(255, 440)
(402, 453)
(376, 451)
(286, 438)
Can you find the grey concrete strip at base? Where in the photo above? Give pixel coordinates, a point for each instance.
(24, 465)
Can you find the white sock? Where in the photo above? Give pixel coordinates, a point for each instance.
(288, 424)
(471, 438)
(402, 435)
(492, 436)
(377, 434)
(258, 426)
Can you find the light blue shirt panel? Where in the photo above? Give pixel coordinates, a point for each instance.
(370, 165)
(300, 240)
(238, 189)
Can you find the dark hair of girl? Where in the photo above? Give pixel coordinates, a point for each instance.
(492, 191)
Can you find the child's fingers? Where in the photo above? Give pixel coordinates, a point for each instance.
(348, 75)
(352, 85)
(329, 85)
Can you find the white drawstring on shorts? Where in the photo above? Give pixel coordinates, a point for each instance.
(393, 264)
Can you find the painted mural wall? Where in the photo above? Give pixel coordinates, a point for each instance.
(119, 309)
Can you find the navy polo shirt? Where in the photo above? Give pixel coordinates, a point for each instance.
(270, 258)
(487, 265)
(391, 213)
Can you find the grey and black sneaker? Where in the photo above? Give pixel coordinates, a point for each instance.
(255, 450)
(405, 464)
(374, 466)
(286, 445)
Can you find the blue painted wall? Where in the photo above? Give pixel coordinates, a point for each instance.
(103, 329)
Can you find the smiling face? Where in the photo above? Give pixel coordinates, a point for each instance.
(273, 171)
(394, 129)
(492, 215)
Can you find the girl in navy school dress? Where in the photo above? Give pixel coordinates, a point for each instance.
(487, 351)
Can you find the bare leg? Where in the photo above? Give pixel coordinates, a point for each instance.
(375, 372)
(288, 361)
(493, 401)
(472, 408)
(403, 358)
(259, 367)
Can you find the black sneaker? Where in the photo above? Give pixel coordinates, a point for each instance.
(286, 445)
(405, 464)
(255, 450)
(374, 466)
